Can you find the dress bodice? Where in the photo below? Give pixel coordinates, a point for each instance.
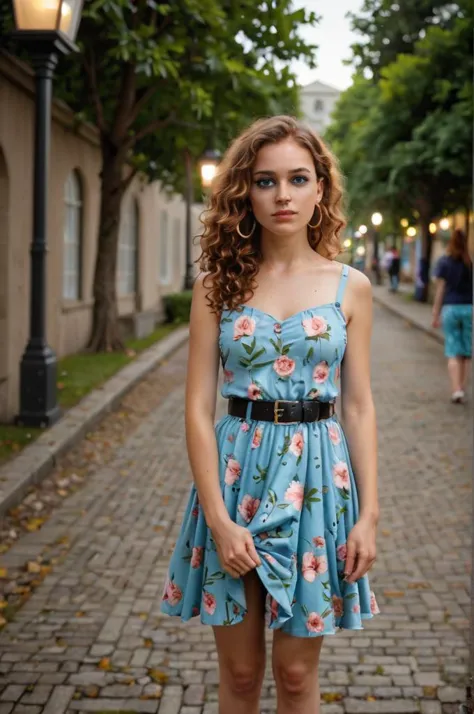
(298, 358)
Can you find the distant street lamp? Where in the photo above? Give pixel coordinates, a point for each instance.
(208, 164)
(376, 220)
(362, 230)
(46, 29)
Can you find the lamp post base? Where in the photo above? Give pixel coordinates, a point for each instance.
(38, 375)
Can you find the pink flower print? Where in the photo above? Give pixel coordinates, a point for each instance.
(235, 609)
(337, 606)
(269, 558)
(321, 372)
(172, 593)
(313, 565)
(315, 326)
(254, 392)
(341, 551)
(319, 542)
(334, 434)
(257, 437)
(209, 602)
(277, 328)
(356, 608)
(244, 327)
(245, 427)
(263, 536)
(340, 472)
(284, 366)
(195, 511)
(297, 443)
(315, 622)
(196, 559)
(231, 438)
(374, 608)
(295, 494)
(232, 472)
(228, 376)
(337, 373)
(194, 611)
(249, 507)
(272, 605)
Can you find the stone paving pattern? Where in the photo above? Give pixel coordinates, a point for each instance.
(91, 637)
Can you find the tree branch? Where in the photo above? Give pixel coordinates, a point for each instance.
(149, 129)
(141, 103)
(125, 183)
(125, 102)
(92, 76)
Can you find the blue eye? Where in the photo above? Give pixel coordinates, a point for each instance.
(264, 183)
(300, 180)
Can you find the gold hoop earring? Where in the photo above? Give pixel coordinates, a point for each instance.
(251, 232)
(320, 217)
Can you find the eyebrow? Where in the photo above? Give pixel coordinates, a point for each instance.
(293, 171)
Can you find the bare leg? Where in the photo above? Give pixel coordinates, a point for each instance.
(455, 371)
(295, 668)
(241, 654)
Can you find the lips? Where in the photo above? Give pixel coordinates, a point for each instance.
(284, 213)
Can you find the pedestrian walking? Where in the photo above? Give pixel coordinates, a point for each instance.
(394, 269)
(452, 309)
(280, 525)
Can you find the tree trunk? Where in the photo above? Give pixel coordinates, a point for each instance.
(423, 273)
(106, 335)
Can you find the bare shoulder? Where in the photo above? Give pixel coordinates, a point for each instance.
(359, 284)
(359, 296)
(200, 310)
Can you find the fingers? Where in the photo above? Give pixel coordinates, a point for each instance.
(350, 559)
(364, 561)
(252, 552)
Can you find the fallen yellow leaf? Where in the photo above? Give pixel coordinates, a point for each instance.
(34, 524)
(105, 664)
(3, 572)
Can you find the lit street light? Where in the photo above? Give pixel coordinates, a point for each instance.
(208, 164)
(46, 29)
(376, 220)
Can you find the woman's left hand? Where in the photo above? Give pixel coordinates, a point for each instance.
(435, 322)
(361, 550)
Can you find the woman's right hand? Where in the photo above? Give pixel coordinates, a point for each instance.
(236, 549)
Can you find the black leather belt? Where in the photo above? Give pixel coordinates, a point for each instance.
(281, 411)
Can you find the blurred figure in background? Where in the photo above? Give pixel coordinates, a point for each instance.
(394, 269)
(452, 310)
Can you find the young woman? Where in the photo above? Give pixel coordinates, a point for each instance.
(276, 526)
(453, 303)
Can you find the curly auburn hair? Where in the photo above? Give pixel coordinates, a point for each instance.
(231, 262)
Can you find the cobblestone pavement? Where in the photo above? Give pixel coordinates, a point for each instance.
(91, 637)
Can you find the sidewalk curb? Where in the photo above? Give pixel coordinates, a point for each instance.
(36, 461)
(430, 331)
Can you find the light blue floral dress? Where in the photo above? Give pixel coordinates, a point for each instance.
(291, 485)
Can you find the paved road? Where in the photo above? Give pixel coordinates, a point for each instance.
(91, 637)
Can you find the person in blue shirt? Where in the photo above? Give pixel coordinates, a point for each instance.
(452, 310)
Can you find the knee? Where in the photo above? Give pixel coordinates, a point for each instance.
(244, 680)
(294, 679)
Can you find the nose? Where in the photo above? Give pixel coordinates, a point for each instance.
(283, 194)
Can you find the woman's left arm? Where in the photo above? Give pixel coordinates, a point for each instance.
(438, 302)
(359, 424)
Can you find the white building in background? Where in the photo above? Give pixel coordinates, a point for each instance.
(317, 102)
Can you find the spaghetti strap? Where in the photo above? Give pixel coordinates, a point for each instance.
(342, 285)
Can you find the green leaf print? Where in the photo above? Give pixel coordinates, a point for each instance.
(286, 445)
(305, 610)
(249, 348)
(244, 362)
(350, 596)
(258, 354)
(326, 598)
(262, 474)
(309, 354)
(310, 498)
(272, 496)
(277, 345)
(283, 505)
(259, 365)
(226, 319)
(326, 612)
(286, 348)
(272, 577)
(218, 575)
(325, 584)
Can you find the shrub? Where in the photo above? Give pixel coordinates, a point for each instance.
(178, 306)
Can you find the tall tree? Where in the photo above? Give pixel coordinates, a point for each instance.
(155, 77)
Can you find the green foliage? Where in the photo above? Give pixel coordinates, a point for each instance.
(178, 306)
(405, 141)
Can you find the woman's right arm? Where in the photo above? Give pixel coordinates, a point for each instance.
(234, 543)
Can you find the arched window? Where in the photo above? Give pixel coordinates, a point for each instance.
(127, 273)
(72, 249)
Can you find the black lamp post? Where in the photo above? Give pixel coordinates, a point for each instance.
(376, 219)
(46, 29)
(208, 164)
